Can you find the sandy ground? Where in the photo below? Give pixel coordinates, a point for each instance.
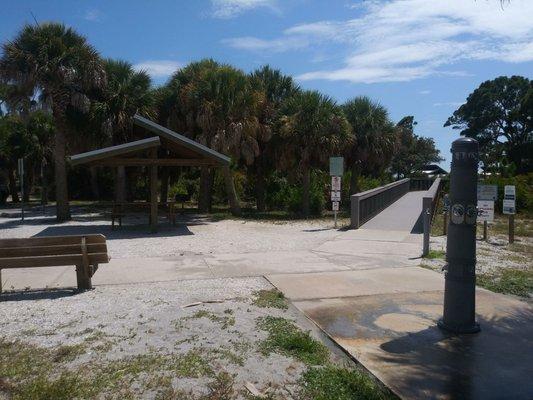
(493, 255)
(192, 235)
(116, 323)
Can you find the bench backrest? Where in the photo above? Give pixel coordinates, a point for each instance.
(52, 251)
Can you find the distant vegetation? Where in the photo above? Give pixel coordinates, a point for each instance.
(59, 97)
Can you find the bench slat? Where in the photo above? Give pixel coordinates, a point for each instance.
(52, 240)
(52, 261)
(37, 251)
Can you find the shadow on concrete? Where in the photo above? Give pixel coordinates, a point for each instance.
(418, 227)
(492, 364)
(49, 294)
(126, 232)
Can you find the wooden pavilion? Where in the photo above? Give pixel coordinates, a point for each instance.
(164, 148)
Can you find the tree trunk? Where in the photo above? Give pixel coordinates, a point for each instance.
(233, 199)
(306, 185)
(94, 183)
(354, 180)
(28, 182)
(120, 184)
(44, 185)
(60, 171)
(13, 186)
(164, 184)
(260, 189)
(204, 200)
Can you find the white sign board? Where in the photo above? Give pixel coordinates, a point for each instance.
(335, 206)
(485, 210)
(487, 192)
(509, 192)
(335, 196)
(509, 207)
(335, 183)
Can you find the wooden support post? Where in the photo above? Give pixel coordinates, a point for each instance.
(445, 223)
(511, 228)
(83, 271)
(0, 281)
(153, 193)
(485, 229)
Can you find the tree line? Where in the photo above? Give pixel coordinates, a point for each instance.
(58, 96)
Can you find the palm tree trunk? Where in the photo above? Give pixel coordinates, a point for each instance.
(60, 172)
(233, 199)
(44, 185)
(13, 186)
(120, 184)
(164, 184)
(260, 189)
(306, 185)
(204, 200)
(93, 171)
(354, 180)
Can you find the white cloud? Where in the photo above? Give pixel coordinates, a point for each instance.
(232, 8)
(158, 68)
(93, 15)
(449, 104)
(402, 40)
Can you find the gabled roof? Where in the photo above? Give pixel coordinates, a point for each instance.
(175, 139)
(113, 151)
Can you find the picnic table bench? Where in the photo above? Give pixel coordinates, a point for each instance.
(120, 210)
(83, 251)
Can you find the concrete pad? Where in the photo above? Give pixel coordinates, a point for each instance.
(370, 261)
(356, 283)
(276, 262)
(394, 335)
(358, 247)
(117, 271)
(374, 234)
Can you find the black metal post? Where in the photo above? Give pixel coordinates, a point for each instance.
(460, 278)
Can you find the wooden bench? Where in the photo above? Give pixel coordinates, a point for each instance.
(83, 251)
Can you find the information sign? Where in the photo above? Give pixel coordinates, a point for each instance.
(335, 206)
(487, 192)
(335, 183)
(336, 166)
(335, 196)
(509, 207)
(485, 210)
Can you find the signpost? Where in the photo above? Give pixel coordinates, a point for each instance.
(336, 169)
(509, 207)
(21, 178)
(486, 196)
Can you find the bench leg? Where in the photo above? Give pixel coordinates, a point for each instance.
(0, 281)
(83, 276)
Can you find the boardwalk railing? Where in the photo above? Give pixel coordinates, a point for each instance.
(366, 205)
(429, 206)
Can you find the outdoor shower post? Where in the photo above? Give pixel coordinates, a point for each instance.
(460, 277)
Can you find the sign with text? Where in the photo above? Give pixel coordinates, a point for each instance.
(485, 210)
(336, 166)
(509, 192)
(509, 207)
(335, 183)
(487, 192)
(335, 206)
(335, 196)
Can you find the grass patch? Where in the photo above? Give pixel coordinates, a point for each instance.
(286, 338)
(227, 320)
(510, 281)
(436, 254)
(332, 382)
(270, 299)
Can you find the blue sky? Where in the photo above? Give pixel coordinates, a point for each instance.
(416, 57)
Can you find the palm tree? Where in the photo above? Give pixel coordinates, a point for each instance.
(372, 138)
(127, 93)
(313, 128)
(59, 64)
(272, 89)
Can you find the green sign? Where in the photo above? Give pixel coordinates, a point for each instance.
(336, 166)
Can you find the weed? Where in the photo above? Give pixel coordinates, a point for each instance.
(510, 281)
(270, 298)
(286, 338)
(332, 382)
(435, 254)
(68, 352)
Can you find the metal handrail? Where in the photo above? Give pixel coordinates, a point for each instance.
(366, 205)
